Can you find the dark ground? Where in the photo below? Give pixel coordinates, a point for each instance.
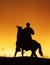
(23, 60)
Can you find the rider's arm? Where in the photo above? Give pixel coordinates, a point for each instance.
(32, 31)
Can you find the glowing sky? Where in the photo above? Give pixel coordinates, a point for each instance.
(19, 12)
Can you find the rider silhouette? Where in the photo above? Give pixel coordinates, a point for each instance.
(24, 40)
(27, 34)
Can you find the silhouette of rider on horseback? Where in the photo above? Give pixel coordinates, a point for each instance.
(24, 41)
(27, 34)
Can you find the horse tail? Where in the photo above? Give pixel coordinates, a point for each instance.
(40, 50)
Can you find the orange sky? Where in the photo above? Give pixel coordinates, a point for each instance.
(18, 12)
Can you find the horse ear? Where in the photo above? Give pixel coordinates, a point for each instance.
(17, 26)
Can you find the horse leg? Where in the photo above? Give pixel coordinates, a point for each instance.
(40, 50)
(22, 52)
(33, 53)
(17, 49)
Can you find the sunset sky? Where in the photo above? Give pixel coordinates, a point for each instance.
(19, 12)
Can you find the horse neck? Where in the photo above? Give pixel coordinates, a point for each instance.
(19, 35)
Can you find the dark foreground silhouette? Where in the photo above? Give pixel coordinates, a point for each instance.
(30, 44)
(24, 60)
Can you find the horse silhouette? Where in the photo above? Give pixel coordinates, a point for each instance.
(33, 44)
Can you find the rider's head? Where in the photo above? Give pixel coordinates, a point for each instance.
(28, 24)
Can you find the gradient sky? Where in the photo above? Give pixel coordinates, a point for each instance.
(19, 12)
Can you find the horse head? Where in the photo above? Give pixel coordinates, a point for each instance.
(19, 28)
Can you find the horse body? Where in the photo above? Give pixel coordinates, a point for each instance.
(32, 45)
